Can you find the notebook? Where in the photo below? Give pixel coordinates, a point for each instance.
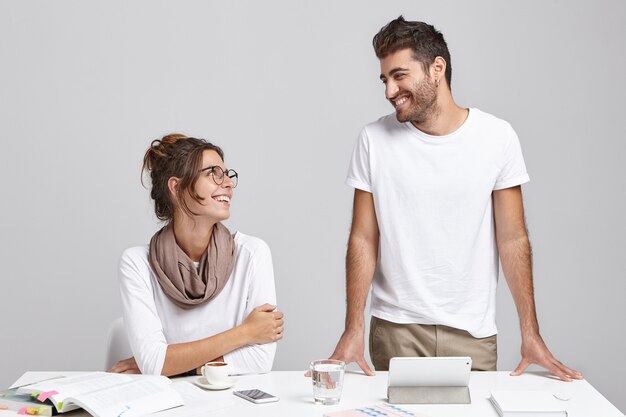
(518, 403)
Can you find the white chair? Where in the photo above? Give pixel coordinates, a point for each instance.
(118, 347)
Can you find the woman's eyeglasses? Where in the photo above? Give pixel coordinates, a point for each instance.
(218, 174)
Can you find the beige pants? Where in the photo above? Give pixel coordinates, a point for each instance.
(389, 339)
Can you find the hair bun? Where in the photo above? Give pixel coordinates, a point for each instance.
(158, 147)
(171, 138)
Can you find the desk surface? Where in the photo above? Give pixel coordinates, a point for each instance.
(295, 393)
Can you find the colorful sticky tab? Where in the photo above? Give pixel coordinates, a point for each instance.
(21, 411)
(60, 405)
(3, 407)
(45, 395)
(32, 411)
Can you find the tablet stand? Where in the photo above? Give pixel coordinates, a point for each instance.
(429, 395)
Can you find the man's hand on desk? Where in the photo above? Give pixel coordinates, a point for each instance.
(126, 366)
(535, 351)
(350, 348)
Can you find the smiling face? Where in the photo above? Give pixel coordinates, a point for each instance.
(214, 199)
(411, 91)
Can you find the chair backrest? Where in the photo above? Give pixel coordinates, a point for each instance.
(118, 347)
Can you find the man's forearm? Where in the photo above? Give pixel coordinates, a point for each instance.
(360, 265)
(516, 257)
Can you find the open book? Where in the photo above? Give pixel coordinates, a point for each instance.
(107, 395)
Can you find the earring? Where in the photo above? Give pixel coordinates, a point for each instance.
(437, 83)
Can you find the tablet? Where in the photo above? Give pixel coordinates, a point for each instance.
(429, 372)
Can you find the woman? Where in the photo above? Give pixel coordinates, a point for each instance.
(196, 293)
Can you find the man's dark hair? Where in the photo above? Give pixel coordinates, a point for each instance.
(424, 40)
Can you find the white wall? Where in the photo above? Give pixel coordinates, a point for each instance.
(284, 87)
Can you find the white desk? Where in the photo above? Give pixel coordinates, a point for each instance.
(295, 393)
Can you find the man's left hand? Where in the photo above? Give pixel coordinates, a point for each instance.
(535, 351)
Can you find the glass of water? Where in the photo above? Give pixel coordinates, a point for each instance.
(327, 376)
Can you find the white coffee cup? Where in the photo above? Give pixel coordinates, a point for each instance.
(216, 372)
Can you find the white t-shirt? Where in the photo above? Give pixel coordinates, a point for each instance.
(438, 260)
(153, 321)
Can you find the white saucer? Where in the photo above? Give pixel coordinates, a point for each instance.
(203, 383)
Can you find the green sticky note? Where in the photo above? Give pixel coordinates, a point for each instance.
(60, 405)
(35, 394)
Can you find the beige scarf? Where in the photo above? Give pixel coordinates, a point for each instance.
(177, 274)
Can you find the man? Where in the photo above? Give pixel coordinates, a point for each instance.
(437, 199)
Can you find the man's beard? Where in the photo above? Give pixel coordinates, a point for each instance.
(423, 103)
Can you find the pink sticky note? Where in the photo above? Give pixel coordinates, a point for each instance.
(22, 411)
(45, 395)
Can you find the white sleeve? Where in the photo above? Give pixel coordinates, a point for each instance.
(141, 320)
(256, 358)
(359, 171)
(512, 166)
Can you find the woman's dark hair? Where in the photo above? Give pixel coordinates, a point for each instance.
(422, 39)
(177, 156)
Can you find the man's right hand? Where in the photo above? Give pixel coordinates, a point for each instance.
(350, 348)
(360, 266)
